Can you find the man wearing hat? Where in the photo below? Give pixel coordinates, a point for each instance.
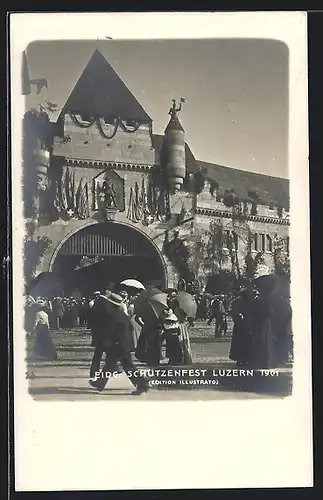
(115, 339)
(96, 319)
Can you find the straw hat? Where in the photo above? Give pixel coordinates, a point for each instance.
(115, 299)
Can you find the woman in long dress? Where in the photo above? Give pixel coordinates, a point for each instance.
(241, 336)
(175, 331)
(136, 323)
(44, 346)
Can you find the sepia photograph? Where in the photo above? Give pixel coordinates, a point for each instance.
(183, 226)
(155, 232)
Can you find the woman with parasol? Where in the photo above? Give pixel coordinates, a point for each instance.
(184, 307)
(148, 309)
(132, 288)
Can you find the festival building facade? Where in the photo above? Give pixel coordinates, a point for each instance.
(113, 200)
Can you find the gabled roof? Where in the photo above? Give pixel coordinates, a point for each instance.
(101, 92)
(191, 163)
(270, 190)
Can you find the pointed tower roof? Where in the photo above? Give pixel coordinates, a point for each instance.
(174, 124)
(101, 92)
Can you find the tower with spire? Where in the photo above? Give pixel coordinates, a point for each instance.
(174, 145)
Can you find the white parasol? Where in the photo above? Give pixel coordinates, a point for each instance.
(133, 284)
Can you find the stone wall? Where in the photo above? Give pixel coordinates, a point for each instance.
(206, 200)
(89, 143)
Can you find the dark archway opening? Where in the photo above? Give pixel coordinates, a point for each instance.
(104, 253)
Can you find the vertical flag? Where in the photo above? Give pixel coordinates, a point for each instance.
(63, 189)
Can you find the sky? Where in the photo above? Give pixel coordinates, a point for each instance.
(236, 91)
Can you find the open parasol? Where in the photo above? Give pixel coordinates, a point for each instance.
(187, 304)
(150, 303)
(133, 284)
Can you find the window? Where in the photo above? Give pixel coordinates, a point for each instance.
(271, 207)
(286, 245)
(279, 211)
(227, 239)
(235, 240)
(269, 241)
(254, 244)
(262, 242)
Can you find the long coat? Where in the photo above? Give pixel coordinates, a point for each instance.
(271, 331)
(241, 336)
(110, 325)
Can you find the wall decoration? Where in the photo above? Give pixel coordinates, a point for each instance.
(140, 204)
(82, 200)
(108, 192)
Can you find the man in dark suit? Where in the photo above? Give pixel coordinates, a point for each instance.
(97, 322)
(114, 335)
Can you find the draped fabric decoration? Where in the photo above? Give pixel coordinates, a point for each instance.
(139, 204)
(130, 130)
(160, 196)
(102, 126)
(82, 201)
(81, 123)
(70, 192)
(58, 202)
(150, 195)
(131, 211)
(101, 123)
(62, 190)
(162, 211)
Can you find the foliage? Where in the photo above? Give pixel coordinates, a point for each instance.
(252, 263)
(229, 198)
(281, 257)
(216, 255)
(177, 252)
(194, 183)
(197, 250)
(34, 250)
(213, 186)
(222, 282)
(36, 135)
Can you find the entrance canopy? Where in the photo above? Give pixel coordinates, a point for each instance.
(107, 252)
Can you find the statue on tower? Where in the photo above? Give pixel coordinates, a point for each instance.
(176, 108)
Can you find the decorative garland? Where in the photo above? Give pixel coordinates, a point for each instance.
(81, 123)
(100, 123)
(125, 129)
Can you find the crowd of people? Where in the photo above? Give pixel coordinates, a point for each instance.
(261, 336)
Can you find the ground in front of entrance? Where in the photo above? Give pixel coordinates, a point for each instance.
(67, 377)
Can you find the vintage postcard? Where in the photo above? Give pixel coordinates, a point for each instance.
(161, 246)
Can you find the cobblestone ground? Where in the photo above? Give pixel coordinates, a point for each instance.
(67, 377)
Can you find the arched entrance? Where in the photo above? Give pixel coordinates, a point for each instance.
(107, 252)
